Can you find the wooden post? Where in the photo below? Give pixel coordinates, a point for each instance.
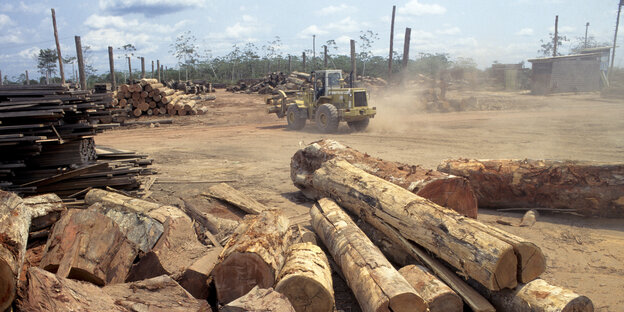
(313, 52)
(324, 57)
(58, 48)
(27, 80)
(391, 42)
(158, 69)
(406, 46)
(304, 62)
(353, 66)
(111, 63)
(617, 24)
(129, 69)
(142, 67)
(81, 69)
(163, 73)
(556, 39)
(1, 79)
(152, 76)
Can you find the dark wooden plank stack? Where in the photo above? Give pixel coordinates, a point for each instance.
(48, 130)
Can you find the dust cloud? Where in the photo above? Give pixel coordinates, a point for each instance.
(396, 109)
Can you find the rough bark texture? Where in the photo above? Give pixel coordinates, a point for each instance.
(445, 233)
(445, 190)
(49, 292)
(237, 198)
(176, 250)
(540, 296)
(44, 209)
(438, 296)
(14, 225)
(196, 278)
(253, 256)
(265, 300)
(87, 245)
(156, 211)
(306, 279)
(591, 189)
(138, 228)
(375, 283)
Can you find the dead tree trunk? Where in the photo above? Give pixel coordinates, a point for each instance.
(266, 300)
(445, 190)
(591, 189)
(14, 225)
(258, 245)
(87, 245)
(306, 279)
(377, 287)
(438, 296)
(445, 233)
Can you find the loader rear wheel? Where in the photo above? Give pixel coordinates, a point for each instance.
(359, 125)
(327, 118)
(295, 122)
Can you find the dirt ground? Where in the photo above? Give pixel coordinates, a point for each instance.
(239, 143)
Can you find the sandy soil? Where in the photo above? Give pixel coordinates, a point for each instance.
(239, 143)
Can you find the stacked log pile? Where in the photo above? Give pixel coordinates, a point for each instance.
(191, 87)
(272, 82)
(47, 131)
(151, 98)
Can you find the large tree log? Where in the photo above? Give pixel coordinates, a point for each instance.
(224, 192)
(196, 278)
(253, 256)
(539, 296)
(14, 225)
(156, 211)
(438, 296)
(49, 292)
(374, 282)
(445, 233)
(445, 190)
(44, 209)
(87, 245)
(592, 189)
(265, 300)
(306, 279)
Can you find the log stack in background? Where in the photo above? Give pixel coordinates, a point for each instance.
(272, 82)
(151, 98)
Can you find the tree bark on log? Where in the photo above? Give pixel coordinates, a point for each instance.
(156, 211)
(539, 296)
(448, 191)
(226, 193)
(14, 225)
(591, 189)
(373, 280)
(306, 279)
(445, 233)
(44, 209)
(266, 300)
(253, 255)
(196, 278)
(87, 245)
(438, 296)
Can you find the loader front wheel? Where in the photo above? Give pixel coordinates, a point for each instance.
(327, 118)
(295, 122)
(359, 125)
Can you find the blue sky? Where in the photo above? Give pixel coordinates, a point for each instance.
(507, 31)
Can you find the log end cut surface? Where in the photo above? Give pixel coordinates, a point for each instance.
(7, 285)
(532, 262)
(239, 273)
(305, 294)
(455, 193)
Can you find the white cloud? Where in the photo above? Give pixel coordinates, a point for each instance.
(562, 29)
(248, 27)
(5, 20)
(249, 19)
(525, 32)
(346, 25)
(149, 7)
(31, 7)
(416, 8)
(29, 53)
(312, 30)
(449, 31)
(332, 9)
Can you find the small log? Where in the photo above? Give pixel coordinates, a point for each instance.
(215, 225)
(377, 287)
(226, 193)
(87, 245)
(137, 112)
(196, 278)
(45, 210)
(146, 81)
(438, 296)
(258, 245)
(152, 86)
(266, 300)
(14, 225)
(588, 188)
(445, 190)
(444, 232)
(306, 279)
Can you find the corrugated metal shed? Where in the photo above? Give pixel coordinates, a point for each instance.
(570, 73)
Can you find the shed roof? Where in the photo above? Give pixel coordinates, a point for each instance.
(564, 57)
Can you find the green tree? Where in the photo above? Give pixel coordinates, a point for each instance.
(185, 50)
(367, 38)
(272, 50)
(547, 47)
(579, 44)
(128, 50)
(46, 63)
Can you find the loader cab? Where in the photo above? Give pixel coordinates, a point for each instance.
(325, 80)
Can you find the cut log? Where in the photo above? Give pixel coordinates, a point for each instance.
(591, 189)
(220, 227)
(306, 279)
(48, 292)
(152, 86)
(539, 296)
(14, 225)
(87, 245)
(438, 296)
(45, 210)
(266, 300)
(140, 229)
(176, 250)
(253, 256)
(373, 280)
(196, 278)
(224, 192)
(156, 211)
(445, 233)
(445, 190)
